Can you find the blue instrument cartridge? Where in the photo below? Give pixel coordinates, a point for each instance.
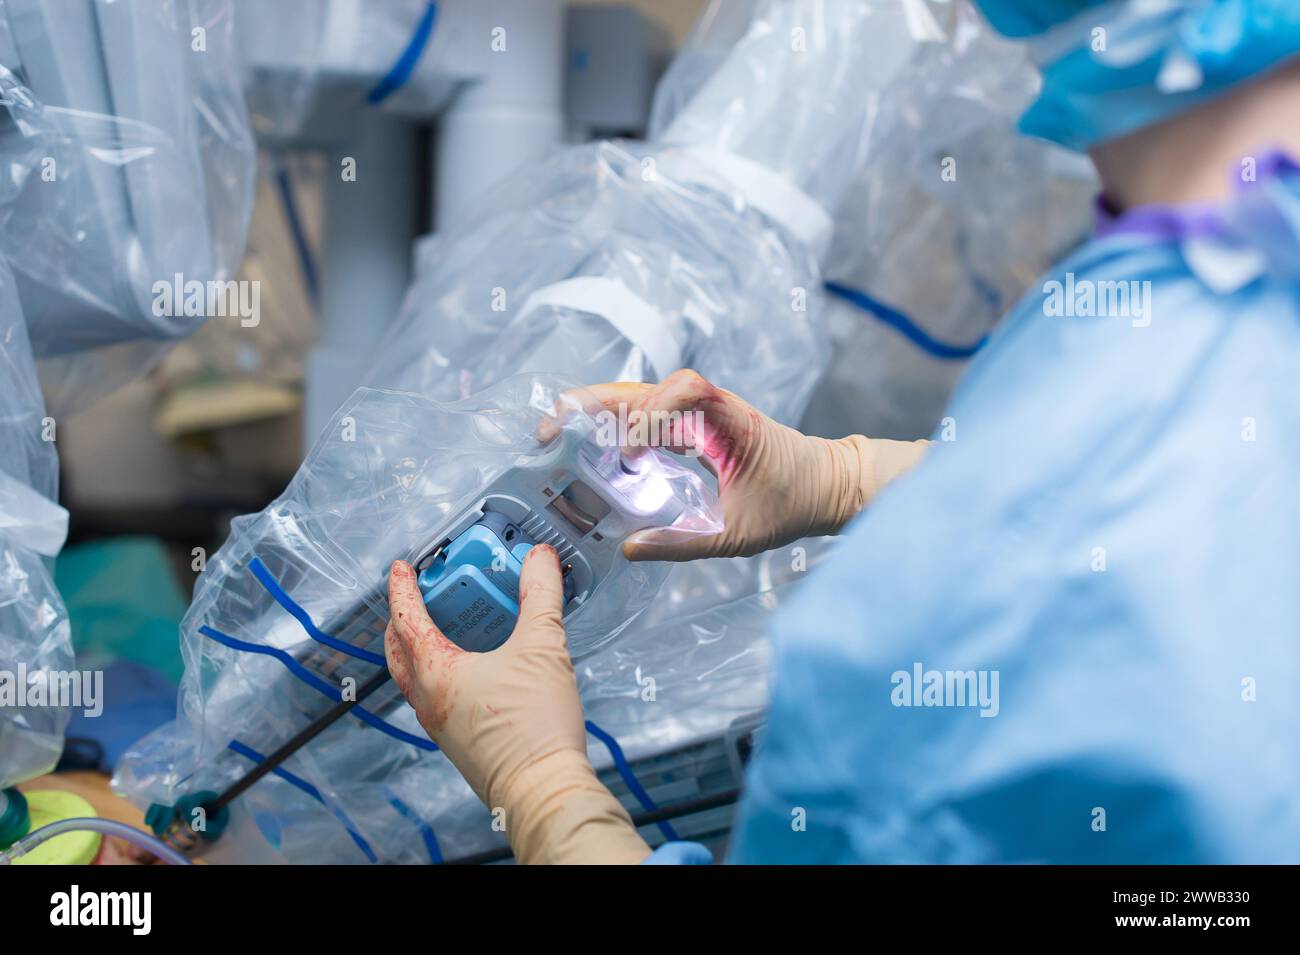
(579, 498)
(472, 586)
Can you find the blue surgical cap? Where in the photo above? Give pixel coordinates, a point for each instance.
(1111, 67)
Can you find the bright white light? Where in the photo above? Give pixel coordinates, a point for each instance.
(648, 492)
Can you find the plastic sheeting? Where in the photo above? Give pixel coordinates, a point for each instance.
(792, 74)
(387, 476)
(698, 662)
(622, 261)
(303, 58)
(129, 162)
(956, 216)
(35, 640)
(606, 264)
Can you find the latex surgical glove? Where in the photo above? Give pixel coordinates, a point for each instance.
(776, 485)
(510, 720)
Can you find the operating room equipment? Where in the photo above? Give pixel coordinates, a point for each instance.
(108, 827)
(604, 262)
(113, 183)
(297, 613)
(34, 631)
(955, 216)
(471, 582)
(574, 495)
(581, 499)
(359, 81)
(121, 182)
(610, 261)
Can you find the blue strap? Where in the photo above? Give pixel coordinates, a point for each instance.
(312, 680)
(901, 323)
(249, 753)
(396, 78)
(983, 288)
(629, 778)
(298, 613)
(426, 831)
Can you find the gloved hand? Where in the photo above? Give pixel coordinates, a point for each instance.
(510, 720)
(776, 484)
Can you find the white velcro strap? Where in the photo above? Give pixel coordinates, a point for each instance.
(773, 195)
(633, 318)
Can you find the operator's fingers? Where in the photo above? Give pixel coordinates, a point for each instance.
(592, 400)
(674, 544)
(541, 600)
(624, 398)
(680, 414)
(399, 663)
(683, 390)
(702, 418)
(686, 414)
(611, 394)
(413, 630)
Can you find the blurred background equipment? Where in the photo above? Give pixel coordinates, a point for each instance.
(125, 181)
(117, 185)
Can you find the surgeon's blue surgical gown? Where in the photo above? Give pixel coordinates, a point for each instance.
(1109, 522)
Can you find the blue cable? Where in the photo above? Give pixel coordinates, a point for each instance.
(298, 613)
(426, 831)
(284, 600)
(985, 289)
(298, 670)
(305, 258)
(249, 753)
(406, 63)
(312, 680)
(625, 770)
(901, 323)
(620, 760)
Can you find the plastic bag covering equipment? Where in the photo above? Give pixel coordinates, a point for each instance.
(605, 262)
(628, 261)
(583, 496)
(35, 639)
(393, 475)
(306, 61)
(127, 160)
(130, 163)
(955, 217)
